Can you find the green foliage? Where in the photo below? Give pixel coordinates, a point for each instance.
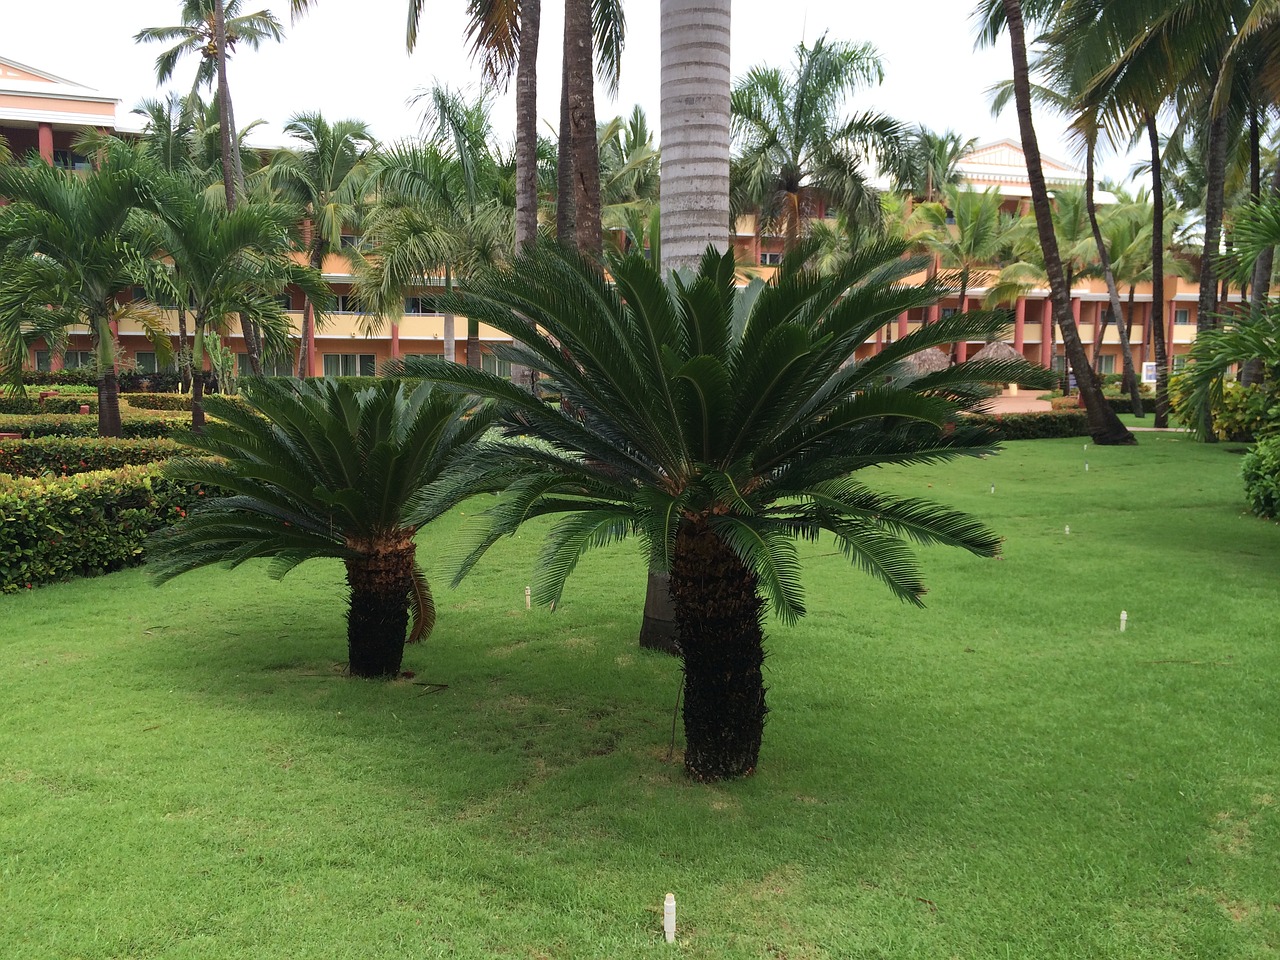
(61, 527)
(1261, 471)
(70, 455)
(59, 425)
(1240, 412)
(81, 376)
(157, 401)
(32, 405)
(1035, 426)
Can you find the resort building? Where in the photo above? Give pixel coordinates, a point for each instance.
(44, 113)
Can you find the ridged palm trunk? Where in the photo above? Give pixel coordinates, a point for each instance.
(378, 615)
(1260, 289)
(1215, 178)
(1104, 426)
(722, 641)
(695, 86)
(1155, 322)
(526, 128)
(108, 383)
(694, 203)
(579, 68)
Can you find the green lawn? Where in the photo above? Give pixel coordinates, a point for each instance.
(184, 773)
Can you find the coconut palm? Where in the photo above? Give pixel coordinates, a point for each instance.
(797, 153)
(965, 234)
(326, 179)
(719, 428)
(316, 469)
(68, 249)
(629, 169)
(226, 262)
(929, 162)
(1104, 425)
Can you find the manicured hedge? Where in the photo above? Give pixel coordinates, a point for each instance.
(50, 378)
(157, 401)
(56, 425)
(1036, 426)
(71, 455)
(31, 405)
(1118, 404)
(1260, 469)
(57, 528)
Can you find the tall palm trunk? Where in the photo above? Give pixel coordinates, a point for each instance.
(526, 129)
(579, 68)
(1104, 426)
(232, 169)
(308, 339)
(694, 201)
(566, 219)
(1113, 293)
(695, 86)
(1215, 181)
(184, 359)
(197, 402)
(450, 322)
(1155, 320)
(722, 643)
(108, 382)
(381, 579)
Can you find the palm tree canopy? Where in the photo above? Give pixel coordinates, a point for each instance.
(737, 409)
(195, 34)
(795, 146)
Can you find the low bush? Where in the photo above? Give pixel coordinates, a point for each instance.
(1036, 426)
(31, 405)
(56, 425)
(157, 401)
(1261, 471)
(71, 455)
(56, 528)
(1244, 413)
(1066, 403)
(53, 378)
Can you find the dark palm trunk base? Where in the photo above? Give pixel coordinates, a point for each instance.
(658, 628)
(109, 404)
(720, 631)
(378, 615)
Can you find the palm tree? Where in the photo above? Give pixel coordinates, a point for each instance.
(1105, 426)
(719, 428)
(67, 242)
(695, 85)
(226, 262)
(6, 155)
(327, 179)
(929, 163)
(965, 235)
(629, 170)
(317, 469)
(797, 153)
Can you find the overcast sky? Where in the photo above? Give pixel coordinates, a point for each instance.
(347, 59)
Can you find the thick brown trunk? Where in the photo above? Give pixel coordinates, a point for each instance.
(184, 358)
(1113, 293)
(1104, 426)
(197, 402)
(582, 117)
(658, 628)
(526, 130)
(1155, 319)
(566, 234)
(109, 403)
(719, 617)
(1260, 289)
(378, 615)
(1215, 177)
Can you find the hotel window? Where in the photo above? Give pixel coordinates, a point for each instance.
(349, 364)
(1107, 363)
(77, 359)
(1182, 317)
(351, 241)
(770, 259)
(285, 300)
(271, 366)
(70, 160)
(348, 303)
(1179, 361)
(420, 305)
(145, 361)
(491, 364)
(945, 312)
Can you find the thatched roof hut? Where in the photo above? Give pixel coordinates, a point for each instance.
(927, 361)
(997, 351)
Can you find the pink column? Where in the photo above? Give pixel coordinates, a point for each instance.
(879, 339)
(902, 324)
(1046, 334)
(1019, 324)
(1169, 328)
(44, 138)
(57, 360)
(395, 340)
(311, 341)
(932, 313)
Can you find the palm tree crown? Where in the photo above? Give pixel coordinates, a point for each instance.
(719, 427)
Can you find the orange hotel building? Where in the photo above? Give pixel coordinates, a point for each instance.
(44, 113)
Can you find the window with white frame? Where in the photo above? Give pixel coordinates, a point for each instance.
(349, 364)
(770, 259)
(348, 303)
(1182, 317)
(491, 364)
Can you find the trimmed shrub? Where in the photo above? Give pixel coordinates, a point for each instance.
(52, 378)
(91, 523)
(32, 405)
(58, 425)
(1066, 403)
(1261, 471)
(157, 401)
(1036, 426)
(1125, 405)
(71, 455)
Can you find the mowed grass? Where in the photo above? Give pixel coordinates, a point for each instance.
(185, 773)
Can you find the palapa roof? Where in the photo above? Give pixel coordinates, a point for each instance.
(927, 361)
(997, 351)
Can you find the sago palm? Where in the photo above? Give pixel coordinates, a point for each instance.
(316, 469)
(720, 428)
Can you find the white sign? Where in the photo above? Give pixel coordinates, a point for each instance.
(1148, 373)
